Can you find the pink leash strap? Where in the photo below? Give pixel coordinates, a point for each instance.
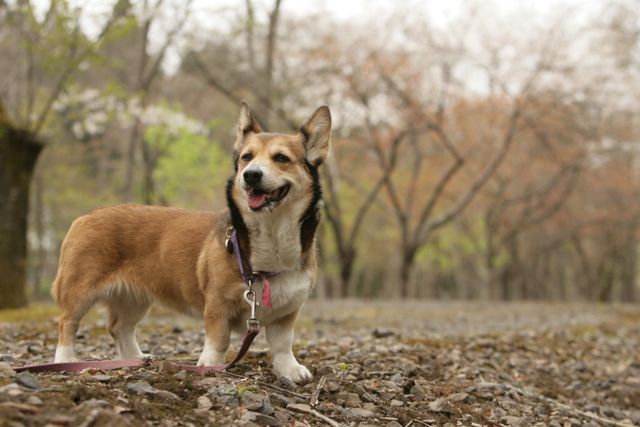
(137, 363)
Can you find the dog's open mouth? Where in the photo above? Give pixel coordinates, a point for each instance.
(258, 199)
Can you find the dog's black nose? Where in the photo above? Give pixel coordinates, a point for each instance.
(252, 176)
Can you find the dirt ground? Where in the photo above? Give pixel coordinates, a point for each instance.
(374, 363)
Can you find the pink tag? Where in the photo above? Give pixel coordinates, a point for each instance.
(266, 292)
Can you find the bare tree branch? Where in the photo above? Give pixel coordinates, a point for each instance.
(76, 56)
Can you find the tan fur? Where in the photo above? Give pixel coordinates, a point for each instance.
(128, 256)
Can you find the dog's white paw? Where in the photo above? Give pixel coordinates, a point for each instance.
(210, 358)
(64, 355)
(291, 370)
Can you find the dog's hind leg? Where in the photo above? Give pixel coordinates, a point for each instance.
(73, 310)
(67, 329)
(126, 309)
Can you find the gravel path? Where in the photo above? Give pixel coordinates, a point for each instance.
(374, 363)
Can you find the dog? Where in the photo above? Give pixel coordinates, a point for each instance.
(128, 256)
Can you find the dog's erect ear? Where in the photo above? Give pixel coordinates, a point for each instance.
(246, 123)
(317, 134)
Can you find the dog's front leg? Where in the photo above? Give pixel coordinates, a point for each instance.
(280, 338)
(216, 339)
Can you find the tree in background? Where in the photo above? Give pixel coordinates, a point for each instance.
(42, 58)
(470, 159)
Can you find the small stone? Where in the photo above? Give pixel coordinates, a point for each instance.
(382, 333)
(326, 370)
(441, 405)
(261, 419)
(251, 401)
(281, 415)
(6, 371)
(393, 424)
(34, 400)
(181, 375)
(448, 425)
(395, 402)
(11, 389)
(332, 386)
(267, 409)
(144, 388)
(281, 399)
(348, 399)
(27, 380)
(204, 403)
(230, 401)
(512, 421)
(92, 377)
(207, 381)
(419, 392)
(575, 422)
(359, 413)
(96, 403)
(618, 414)
(140, 387)
(299, 407)
(458, 397)
(61, 420)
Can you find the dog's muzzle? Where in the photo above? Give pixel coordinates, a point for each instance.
(259, 198)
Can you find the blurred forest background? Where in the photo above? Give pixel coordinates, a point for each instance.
(481, 150)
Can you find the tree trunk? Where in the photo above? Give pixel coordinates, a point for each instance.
(18, 155)
(149, 196)
(37, 211)
(346, 270)
(406, 268)
(629, 268)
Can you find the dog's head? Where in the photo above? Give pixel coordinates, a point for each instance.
(275, 170)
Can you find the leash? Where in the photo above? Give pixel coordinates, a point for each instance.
(233, 246)
(142, 363)
(253, 328)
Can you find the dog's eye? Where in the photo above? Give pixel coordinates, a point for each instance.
(281, 158)
(246, 157)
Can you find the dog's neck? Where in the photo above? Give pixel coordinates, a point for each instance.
(273, 245)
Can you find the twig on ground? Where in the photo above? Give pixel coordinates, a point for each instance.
(379, 373)
(369, 397)
(316, 393)
(306, 409)
(271, 386)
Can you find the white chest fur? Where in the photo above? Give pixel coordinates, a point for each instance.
(275, 241)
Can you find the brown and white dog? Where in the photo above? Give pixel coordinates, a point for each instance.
(128, 256)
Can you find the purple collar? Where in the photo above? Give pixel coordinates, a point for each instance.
(233, 246)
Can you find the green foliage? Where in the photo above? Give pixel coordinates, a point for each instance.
(452, 239)
(243, 388)
(189, 166)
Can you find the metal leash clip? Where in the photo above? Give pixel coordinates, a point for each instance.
(250, 297)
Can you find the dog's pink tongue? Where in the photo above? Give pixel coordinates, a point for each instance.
(257, 200)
